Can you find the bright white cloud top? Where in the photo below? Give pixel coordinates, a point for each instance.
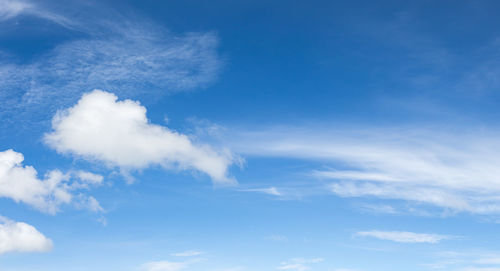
(21, 184)
(404, 237)
(21, 237)
(118, 133)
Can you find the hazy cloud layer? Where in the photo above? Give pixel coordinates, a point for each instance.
(118, 133)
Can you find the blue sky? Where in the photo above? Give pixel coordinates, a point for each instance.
(249, 135)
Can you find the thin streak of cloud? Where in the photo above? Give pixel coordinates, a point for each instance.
(189, 253)
(270, 191)
(454, 171)
(404, 237)
(10, 9)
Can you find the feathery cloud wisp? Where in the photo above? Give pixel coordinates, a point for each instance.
(404, 236)
(298, 264)
(455, 171)
(134, 58)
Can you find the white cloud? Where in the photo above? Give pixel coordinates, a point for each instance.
(118, 133)
(469, 260)
(134, 58)
(21, 184)
(21, 237)
(10, 9)
(299, 264)
(449, 169)
(404, 237)
(269, 190)
(189, 253)
(164, 266)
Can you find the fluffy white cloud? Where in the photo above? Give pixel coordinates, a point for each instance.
(21, 237)
(453, 170)
(118, 133)
(299, 264)
(164, 266)
(404, 237)
(21, 184)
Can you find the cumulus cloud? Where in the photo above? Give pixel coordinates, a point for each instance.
(21, 184)
(299, 264)
(452, 170)
(404, 236)
(118, 133)
(21, 237)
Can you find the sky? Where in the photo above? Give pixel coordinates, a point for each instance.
(249, 135)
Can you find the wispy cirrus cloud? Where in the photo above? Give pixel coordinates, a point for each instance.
(21, 237)
(133, 58)
(299, 264)
(164, 266)
(10, 9)
(404, 236)
(269, 190)
(452, 170)
(189, 253)
(469, 260)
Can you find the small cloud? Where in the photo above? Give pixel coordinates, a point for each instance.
(21, 237)
(298, 264)
(164, 266)
(189, 253)
(270, 191)
(21, 184)
(404, 237)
